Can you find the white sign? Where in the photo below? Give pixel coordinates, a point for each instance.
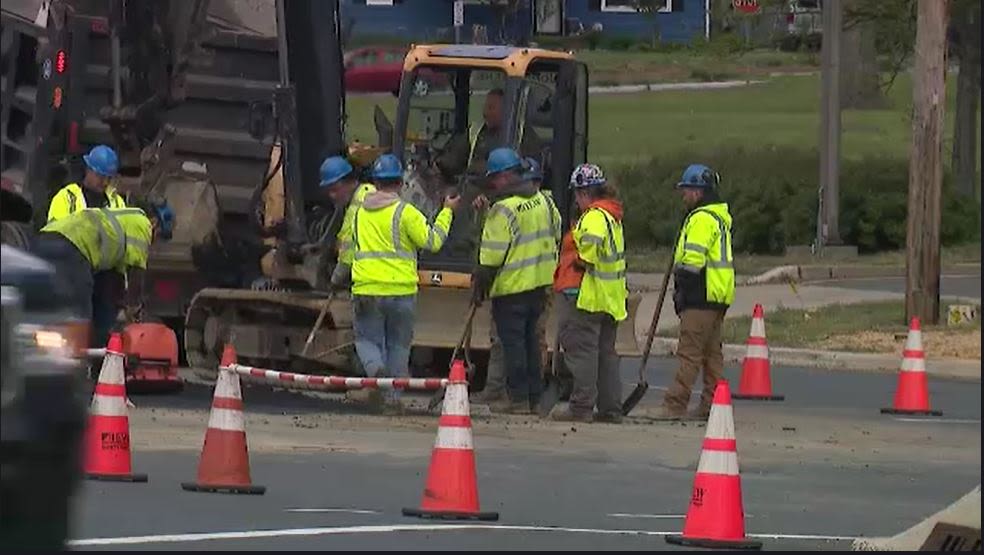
(459, 13)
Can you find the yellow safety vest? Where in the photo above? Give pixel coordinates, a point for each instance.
(600, 243)
(346, 254)
(520, 239)
(70, 199)
(109, 238)
(386, 243)
(705, 247)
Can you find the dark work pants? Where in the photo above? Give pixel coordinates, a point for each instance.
(516, 318)
(108, 287)
(74, 271)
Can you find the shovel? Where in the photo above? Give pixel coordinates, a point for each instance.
(640, 389)
(317, 323)
(551, 395)
(465, 336)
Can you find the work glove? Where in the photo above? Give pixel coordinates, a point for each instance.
(133, 314)
(481, 282)
(341, 278)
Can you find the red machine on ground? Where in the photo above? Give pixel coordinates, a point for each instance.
(151, 351)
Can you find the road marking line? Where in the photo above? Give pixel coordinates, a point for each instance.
(939, 420)
(253, 534)
(353, 511)
(643, 515)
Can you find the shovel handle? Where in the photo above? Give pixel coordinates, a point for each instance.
(318, 322)
(659, 309)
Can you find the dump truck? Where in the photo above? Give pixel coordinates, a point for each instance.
(227, 109)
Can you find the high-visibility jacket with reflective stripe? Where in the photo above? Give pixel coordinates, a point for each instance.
(600, 244)
(386, 242)
(346, 252)
(109, 238)
(705, 248)
(70, 199)
(520, 239)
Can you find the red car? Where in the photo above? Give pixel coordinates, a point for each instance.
(377, 69)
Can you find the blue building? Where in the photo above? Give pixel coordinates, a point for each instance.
(516, 22)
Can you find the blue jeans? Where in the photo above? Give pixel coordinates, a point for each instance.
(383, 333)
(516, 318)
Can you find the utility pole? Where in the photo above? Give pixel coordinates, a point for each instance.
(828, 229)
(922, 241)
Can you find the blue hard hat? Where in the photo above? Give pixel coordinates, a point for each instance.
(699, 176)
(165, 219)
(533, 171)
(334, 169)
(102, 160)
(502, 159)
(387, 166)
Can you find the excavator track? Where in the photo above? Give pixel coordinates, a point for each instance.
(269, 329)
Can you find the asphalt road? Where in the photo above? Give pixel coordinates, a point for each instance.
(950, 286)
(585, 492)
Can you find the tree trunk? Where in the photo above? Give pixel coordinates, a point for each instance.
(968, 38)
(922, 298)
(859, 85)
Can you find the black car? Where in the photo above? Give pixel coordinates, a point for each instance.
(42, 401)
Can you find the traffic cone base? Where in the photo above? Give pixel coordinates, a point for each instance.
(677, 539)
(756, 382)
(106, 443)
(224, 463)
(451, 491)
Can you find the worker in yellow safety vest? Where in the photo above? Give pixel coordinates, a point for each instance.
(704, 288)
(100, 239)
(517, 258)
(96, 191)
(341, 185)
(591, 281)
(387, 233)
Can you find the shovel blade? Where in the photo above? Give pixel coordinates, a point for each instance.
(549, 398)
(633, 399)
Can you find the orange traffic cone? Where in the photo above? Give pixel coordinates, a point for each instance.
(224, 465)
(912, 393)
(755, 380)
(107, 437)
(716, 517)
(452, 488)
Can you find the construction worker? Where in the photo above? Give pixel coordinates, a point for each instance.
(517, 258)
(96, 191)
(495, 380)
(591, 281)
(387, 233)
(340, 184)
(704, 288)
(100, 239)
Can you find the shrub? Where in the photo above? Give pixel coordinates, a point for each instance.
(772, 194)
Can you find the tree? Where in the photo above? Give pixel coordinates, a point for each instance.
(893, 24)
(965, 45)
(922, 295)
(860, 85)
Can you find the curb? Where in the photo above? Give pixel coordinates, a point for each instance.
(804, 273)
(951, 369)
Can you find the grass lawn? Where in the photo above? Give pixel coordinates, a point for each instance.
(608, 67)
(783, 111)
(865, 327)
(656, 260)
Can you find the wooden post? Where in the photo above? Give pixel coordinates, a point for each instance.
(828, 230)
(922, 287)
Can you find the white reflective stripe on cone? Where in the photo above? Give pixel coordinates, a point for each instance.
(228, 385)
(914, 341)
(913, 364)
(718, 462)
(108, 405)
(757, 351)
(453, 437)
(456, 400)
(720, 424)
(227, 419)
(758, 328)
(111, 372)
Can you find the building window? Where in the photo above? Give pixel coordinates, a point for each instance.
(633, 6)
(379, 2)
